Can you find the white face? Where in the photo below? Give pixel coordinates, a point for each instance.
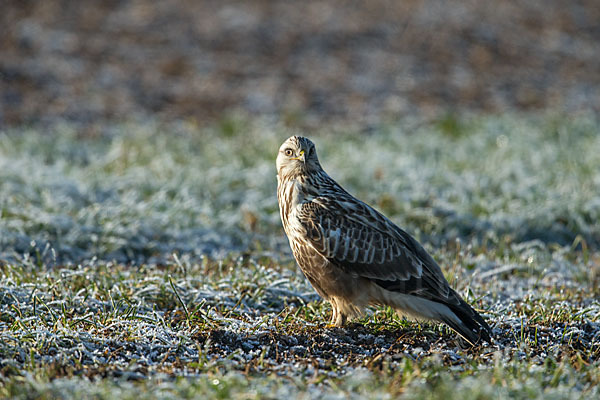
(296, 155)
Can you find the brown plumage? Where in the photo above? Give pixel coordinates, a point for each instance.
(354, 256)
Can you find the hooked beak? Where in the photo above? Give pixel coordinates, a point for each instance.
(300, 157)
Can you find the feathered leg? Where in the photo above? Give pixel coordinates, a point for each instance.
(338, 318)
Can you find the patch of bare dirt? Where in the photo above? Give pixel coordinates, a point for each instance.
(322, 60)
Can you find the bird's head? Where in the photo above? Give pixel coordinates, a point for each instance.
(297, 155)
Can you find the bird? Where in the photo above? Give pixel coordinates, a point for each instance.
(355, 257)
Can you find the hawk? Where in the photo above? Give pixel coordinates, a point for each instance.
(354, 256)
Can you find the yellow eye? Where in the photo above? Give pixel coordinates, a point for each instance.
(288, 152)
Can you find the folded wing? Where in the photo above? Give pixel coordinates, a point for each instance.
(364, 243)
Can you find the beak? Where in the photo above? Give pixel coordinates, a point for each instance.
(300, 157)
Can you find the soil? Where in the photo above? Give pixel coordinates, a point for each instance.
(91, 61)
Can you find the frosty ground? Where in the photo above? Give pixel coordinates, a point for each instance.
(147, 260)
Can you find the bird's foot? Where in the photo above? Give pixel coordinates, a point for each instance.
(333, 323)
(338, 320)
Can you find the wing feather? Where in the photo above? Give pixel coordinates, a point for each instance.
(364, 243)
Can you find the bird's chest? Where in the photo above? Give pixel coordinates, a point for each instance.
(291, 196)
(294, 229)
(309, 260)
(316, 268)
(327, 279)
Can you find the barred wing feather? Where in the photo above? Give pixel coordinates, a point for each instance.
(361, 241)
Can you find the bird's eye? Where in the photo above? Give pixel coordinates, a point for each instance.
(288, 152)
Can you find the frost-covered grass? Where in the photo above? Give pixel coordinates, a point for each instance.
(146, 260)
(135, 192)
(240, 328)
(138, 191)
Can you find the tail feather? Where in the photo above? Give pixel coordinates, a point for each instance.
(450, 309)
(472, 327)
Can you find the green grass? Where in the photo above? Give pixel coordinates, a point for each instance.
(148, 261)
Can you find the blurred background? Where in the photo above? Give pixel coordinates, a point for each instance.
(309, 61)
(132, 129)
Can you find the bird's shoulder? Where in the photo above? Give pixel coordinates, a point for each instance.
(339, 210)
